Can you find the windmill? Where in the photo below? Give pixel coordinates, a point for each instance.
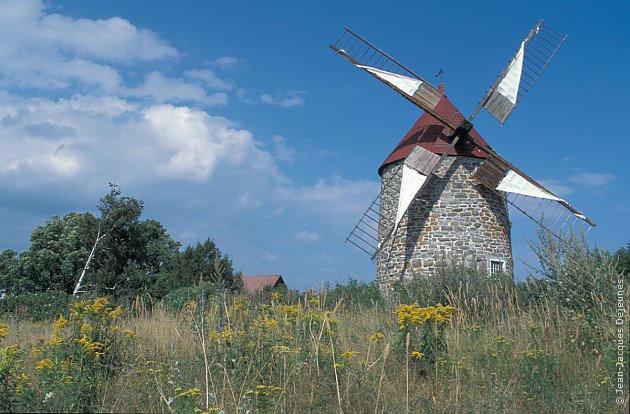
(444, 190)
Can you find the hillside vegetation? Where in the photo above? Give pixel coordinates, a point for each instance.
(157, 328)
(459, 342)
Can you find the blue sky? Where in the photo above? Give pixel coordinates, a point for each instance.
(234, 121)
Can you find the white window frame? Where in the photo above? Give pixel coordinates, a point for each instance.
(492, 265)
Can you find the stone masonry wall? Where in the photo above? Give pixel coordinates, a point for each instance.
(454, 219)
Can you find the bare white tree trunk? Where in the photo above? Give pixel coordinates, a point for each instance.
(99, 237)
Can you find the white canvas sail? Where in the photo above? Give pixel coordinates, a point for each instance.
(510, 83)
(403, 83)
(410, 183)
(514, 183)
(503, 98)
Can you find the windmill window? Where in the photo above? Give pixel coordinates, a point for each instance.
(496, 266)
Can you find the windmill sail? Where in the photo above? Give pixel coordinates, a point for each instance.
(411, 182)
(502, 100)
(401, 83)
(364, 235)
(530, 197)
(377, 63)
(525, 67)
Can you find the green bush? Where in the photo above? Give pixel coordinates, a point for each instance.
(461, 286)
(573, 275)
(35, 306)
(355, 294)
(177, 299)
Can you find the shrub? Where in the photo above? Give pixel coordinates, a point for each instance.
(574, 276)
(421, 332)
(13, 379)
(81, 355)
(177, 299)
(355, 294)
(461, 286)
(35, 306)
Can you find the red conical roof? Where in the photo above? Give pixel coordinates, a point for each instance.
(432, 135)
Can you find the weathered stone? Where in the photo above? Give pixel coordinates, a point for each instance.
(454, 218)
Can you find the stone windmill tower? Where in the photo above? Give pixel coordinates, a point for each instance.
(445, 192)
(453, 217)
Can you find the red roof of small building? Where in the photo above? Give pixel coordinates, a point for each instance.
(432, 135)
(253, 284)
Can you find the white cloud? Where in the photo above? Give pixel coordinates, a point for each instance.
(226, 62)
(591, 179)
(44, 50)
(113, 39)
(557, 187)
(209, 78)
(286, 99)
(568, 186)
(164, 89)
(307, 236)
(337, 199)
(113, 138)
(282, 151)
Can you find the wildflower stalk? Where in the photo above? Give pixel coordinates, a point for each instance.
(332, 348)
(407, 366)
(162, 396)
(380, 380)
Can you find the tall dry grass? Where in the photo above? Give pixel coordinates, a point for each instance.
(238, 356)
(509, 348)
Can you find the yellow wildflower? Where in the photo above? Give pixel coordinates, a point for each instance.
(55, 340)
(60, 323)
(290, 310)
(85, 328)
(271, 323)
(226, 335)
(97, 305)
(191, 305)
(413, 314)
(417, 355)
(193, 392)
(44, 364)
(115, 313)
(281, 349)
(129, 333)
(4, 329)
(92, 346)
(21, 382)
(349, 354)
(377, 337)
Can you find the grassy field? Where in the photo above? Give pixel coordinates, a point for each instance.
(494, 347)
(314, 353)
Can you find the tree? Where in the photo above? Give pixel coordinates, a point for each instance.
(56, 254)
(116, 254)
(118, 215)
(8, 267)
(623, 259)
(204, 262)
